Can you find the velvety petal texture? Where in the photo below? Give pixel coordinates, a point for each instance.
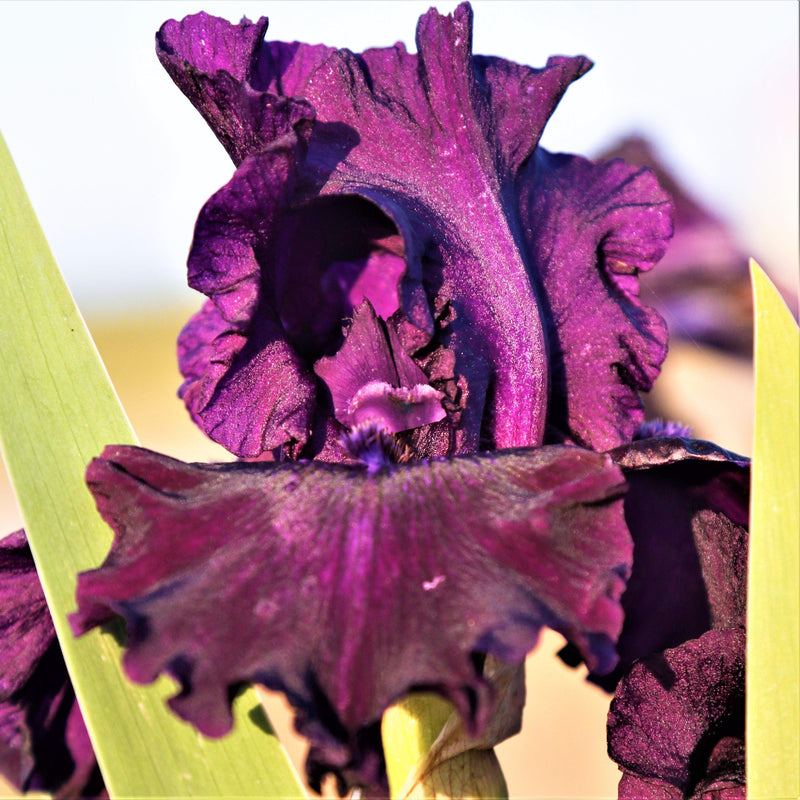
(44, 745)
(592, 229)
(676, 724)
(347, 588)
(687, 509)
(510, 273)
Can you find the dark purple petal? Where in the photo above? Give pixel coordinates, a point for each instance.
(44, 745)
(346, 589)
(281, 281)
(208, 45)
(687, 509)
(590, 229)
(522, 100)
(677, 721)
(371, 378)
(443, 143)
(245, 385)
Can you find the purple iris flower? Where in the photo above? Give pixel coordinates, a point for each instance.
(398, 277)
(425, 329)
(44, 745)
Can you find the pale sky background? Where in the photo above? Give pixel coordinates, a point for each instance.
(118, 163)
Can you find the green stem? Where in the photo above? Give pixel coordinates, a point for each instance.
(410, 728)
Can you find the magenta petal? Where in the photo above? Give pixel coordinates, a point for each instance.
(334, 578)
(590, 229)
(677, 721)
(44, 745)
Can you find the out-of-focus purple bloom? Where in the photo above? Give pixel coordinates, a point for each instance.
(702, 285)
(346, 588)
(44, 745)
(415, 182)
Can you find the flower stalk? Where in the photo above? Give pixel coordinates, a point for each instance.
(419, 768)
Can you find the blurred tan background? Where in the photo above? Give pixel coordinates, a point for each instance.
(561, 750)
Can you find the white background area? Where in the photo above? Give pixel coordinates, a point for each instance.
(118, 164)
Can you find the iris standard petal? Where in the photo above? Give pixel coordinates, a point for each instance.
(442, 142)
(702, 285)
(212, 62)
(244, 383)
(347, 589)
(590, 229)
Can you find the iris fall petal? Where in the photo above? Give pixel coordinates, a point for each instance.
(350, 588)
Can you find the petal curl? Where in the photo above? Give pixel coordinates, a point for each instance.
(702, 285)
(44, 745)
(233, 354)
(350, 589)
(677, 721)
(212, 61)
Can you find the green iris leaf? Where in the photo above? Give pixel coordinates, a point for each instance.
(773, 618)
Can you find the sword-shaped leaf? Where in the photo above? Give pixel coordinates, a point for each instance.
(773, 619)
(57, 411)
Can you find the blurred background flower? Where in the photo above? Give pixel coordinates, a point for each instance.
(109, 153)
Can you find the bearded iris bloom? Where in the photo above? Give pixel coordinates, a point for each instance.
(431, 327)
(362, 191)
